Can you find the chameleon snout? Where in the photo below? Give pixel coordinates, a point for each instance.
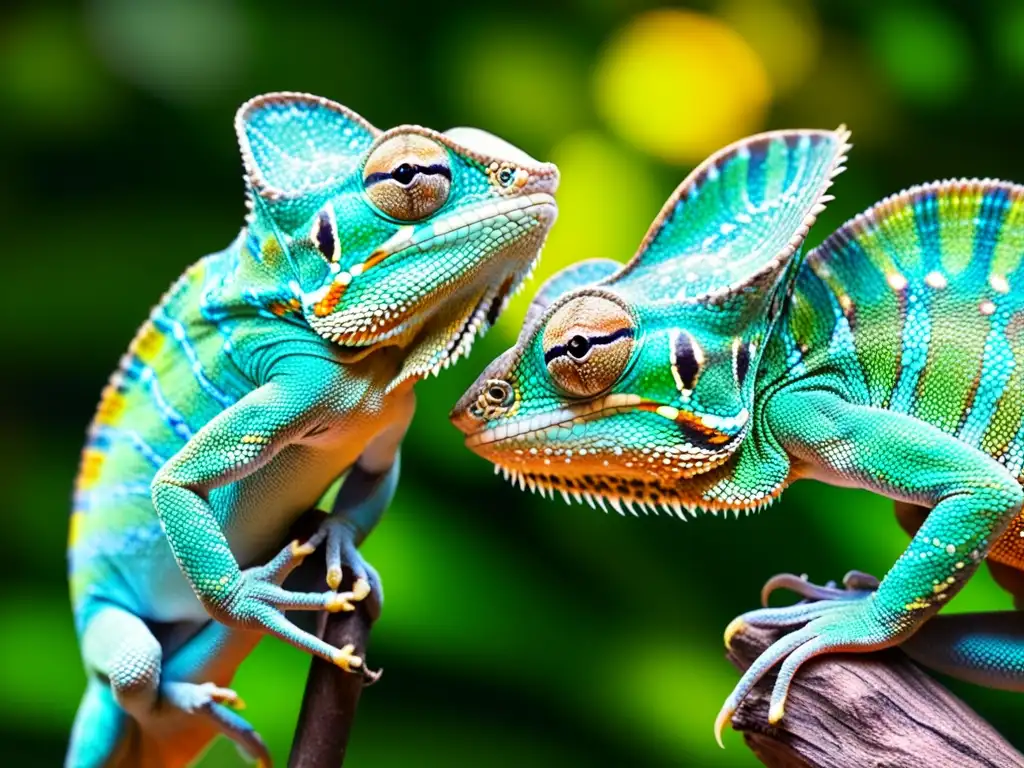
(486, 400)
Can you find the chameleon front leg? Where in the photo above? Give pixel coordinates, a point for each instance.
(972, 498)
(365, 494)
(234, 444)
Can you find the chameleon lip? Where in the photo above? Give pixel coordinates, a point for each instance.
(600, 407)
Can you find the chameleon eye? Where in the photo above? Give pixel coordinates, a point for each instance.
(408, 177)
(587, 345)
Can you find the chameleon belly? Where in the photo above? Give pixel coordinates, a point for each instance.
(919, 305)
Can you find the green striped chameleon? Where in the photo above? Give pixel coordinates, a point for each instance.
(270, 370)
(722, 364)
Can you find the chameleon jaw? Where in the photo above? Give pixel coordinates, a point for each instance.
(625, 495)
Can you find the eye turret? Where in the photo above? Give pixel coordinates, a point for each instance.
(408, 177)
(587, 345)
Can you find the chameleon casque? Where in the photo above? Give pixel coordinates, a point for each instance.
(267, 372)
(721, 364)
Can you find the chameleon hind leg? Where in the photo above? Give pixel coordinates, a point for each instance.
(972, 500)
(177, 712)
(982, 648)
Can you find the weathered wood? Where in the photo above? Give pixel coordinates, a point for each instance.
(875, 710)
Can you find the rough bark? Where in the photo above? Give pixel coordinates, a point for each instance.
(875, 710)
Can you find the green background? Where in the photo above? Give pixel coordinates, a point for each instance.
(517, 631)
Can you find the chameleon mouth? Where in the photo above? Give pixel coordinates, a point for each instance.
(706, 434)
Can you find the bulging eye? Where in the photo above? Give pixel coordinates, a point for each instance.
(408, 177)
(587, 345)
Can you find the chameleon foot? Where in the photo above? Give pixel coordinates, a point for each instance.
(347, 660)
(219, 706)
(841, 620)
(341, 553)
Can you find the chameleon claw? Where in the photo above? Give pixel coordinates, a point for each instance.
(360, 589)
(736, 626)
(723, 719)
(225, 696)
(301, 550)
(334, 577)
(346, 659)
(776, 713)
(342, 601)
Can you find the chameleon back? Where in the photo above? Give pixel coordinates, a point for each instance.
(917, 304)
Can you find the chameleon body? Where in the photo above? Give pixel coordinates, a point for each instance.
(266, 373)
(722, 364)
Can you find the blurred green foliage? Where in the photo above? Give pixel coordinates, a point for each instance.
(517, 631)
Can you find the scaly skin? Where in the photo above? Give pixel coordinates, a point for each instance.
(268, 370)
(720, 365)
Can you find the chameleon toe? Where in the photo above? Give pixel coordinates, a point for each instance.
(346, 658)
(721, 721)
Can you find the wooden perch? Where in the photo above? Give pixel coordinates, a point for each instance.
(332, 694)
(863, 711)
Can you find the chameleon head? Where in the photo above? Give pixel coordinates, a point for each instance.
(409, 237)
(577, 405)
(636, 383)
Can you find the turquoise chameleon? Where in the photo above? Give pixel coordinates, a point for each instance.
(720, 365)
(269, 370)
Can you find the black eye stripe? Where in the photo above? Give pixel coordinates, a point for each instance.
(742, 361)
(563, 349)
(687, 364)
(438, 169)
(324, 235)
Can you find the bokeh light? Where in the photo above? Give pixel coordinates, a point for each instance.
(924, 54)
(518, 81)
(785, 34)
(680, 84)
(177, 49)
(50, 80)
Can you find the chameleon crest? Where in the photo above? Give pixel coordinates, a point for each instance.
(626, 378)
(408, 237)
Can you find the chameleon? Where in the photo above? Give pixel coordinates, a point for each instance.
(269, 373)
(723, 363)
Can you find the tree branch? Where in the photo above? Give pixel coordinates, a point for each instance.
(332, 694)
(863, 711)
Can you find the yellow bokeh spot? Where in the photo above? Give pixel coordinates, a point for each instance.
(680, 85)
(607, 198)
(784, 33)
